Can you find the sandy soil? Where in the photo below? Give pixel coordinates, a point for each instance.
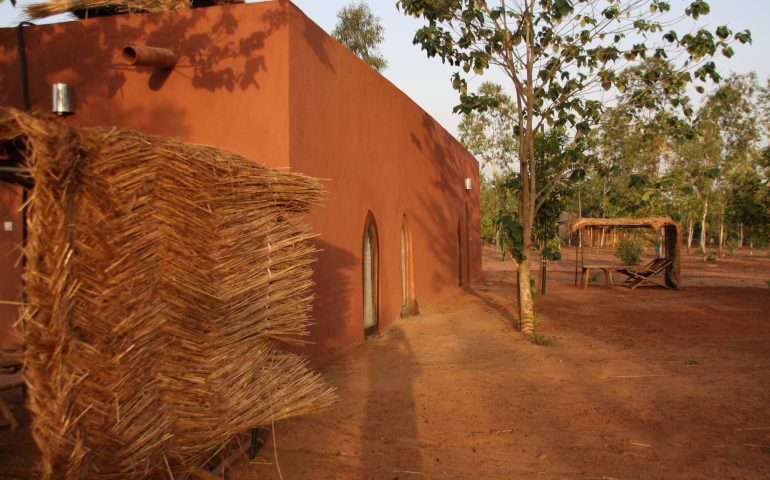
(457, 393)
(643, 384)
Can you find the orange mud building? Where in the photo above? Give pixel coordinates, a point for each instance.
(399, 226)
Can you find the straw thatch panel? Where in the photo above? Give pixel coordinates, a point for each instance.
(673, 238)
(95, 8)
(160, 276)
(650, 222)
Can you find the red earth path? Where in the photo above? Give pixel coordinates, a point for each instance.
(643, 384)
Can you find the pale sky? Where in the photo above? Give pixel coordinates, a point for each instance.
(427, 81)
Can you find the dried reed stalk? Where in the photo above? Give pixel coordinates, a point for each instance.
(82, 8)
(160, 277)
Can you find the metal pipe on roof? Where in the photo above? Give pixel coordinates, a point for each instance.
(23, 61)
(150, 57)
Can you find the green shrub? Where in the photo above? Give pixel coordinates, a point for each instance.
(538, 338)
(554, 244)
(711, 258)
(550, 254)
(629, 252)
(732, 246)
(488, 229)
(543, 340)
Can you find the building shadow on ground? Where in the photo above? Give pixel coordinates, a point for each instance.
(390, 445)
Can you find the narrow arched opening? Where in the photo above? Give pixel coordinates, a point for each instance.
(370, 267)
(408, 300)
(467, 262)
(460, 276)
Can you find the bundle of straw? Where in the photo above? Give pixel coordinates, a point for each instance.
(160, 276)
(94, 8)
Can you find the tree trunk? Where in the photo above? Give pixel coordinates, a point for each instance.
(740, 240)
(721, 231)
(690, 231)
(541, 247)
(580, 212)
(596, 240)
(703, 227)
(721, 238)
(526, 305)
(528, 175)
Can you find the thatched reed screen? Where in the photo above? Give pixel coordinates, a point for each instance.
(96, 8)
(160, 276)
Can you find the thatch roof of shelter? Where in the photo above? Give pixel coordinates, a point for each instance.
(650, 222)
(94, 8)
(160, 279)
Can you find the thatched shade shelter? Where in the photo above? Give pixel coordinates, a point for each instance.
(160, 278)
(671, 247)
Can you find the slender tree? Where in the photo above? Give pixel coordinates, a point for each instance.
(360, 30)
(748, 206)
(633, 147)
(488, 134)
(560, 55)
(728, 133)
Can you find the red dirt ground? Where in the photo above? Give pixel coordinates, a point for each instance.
(643, 384)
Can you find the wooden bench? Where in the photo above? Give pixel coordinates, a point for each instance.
(607, 269)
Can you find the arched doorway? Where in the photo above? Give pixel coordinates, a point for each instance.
(460, 276)
(370, 275)
(467, 257)
(408, 302)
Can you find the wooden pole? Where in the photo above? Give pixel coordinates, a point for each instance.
(577, 253)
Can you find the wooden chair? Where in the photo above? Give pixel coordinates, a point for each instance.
(646, 275)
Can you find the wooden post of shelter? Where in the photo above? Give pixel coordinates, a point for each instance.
(577, 253)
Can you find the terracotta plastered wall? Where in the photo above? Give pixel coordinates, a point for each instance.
(10, 262)
(381, 153)
(229, 88)
(263, 80)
